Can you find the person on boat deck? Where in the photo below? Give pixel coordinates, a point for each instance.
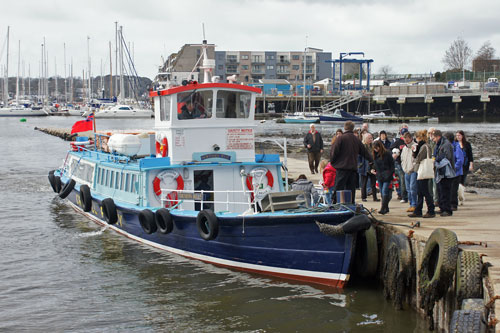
(314, 144)
(305, 185)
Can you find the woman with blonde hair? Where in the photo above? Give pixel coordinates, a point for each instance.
(422, 152)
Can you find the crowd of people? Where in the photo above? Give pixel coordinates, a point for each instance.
(426, 165)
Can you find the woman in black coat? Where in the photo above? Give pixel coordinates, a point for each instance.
(384, 171)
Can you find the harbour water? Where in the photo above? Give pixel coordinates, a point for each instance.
(62, 272)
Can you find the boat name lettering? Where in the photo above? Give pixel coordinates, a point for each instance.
(208, 156)
(189, 196)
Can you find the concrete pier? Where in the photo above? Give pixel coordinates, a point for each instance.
(476, 223)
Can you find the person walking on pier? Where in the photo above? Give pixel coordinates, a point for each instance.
(459, 170)
(444, 171)
(314, 144)
(399, 144)
(469, 157)
(384, 171)
(432, 184)
(422, 152)
(344, 158)
(367, 178)
(408, 165)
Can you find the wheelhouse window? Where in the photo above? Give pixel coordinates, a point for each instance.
(233, 104)
(194, 105)
(165, 102)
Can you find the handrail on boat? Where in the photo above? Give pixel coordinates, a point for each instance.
(198, 197)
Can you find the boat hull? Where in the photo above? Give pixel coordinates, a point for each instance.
(301, 121)
(283, 245)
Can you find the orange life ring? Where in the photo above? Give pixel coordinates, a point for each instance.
(260, 193)
(172, 196)
(162, 148)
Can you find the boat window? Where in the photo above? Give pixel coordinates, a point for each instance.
(117, 180)
(231, 104)
(112, 181)
(106, 178)
(194, 105)
(122, 182)
(124, 108)
(81, 170)
(99, 171)
(127, 182)
(165, 108)
(132, 183)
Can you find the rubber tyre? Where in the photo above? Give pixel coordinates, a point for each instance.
(469, 282)
(57, 182)
(439, 261)
(164, 221)
(85, 198)
(147, 221)
(400, 241)
(467, 321)
(66, 190)
(366, 259)
(52, 181)
(207, 224)
(109, 211)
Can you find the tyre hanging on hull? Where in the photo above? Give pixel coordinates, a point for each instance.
(109, 210)
(55, 182)
(85, 198)
(164, 221)
(66, 190)
(147, 221)
(207, 224)
(366, 260)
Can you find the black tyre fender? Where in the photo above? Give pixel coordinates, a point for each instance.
(438, 265)
(147, 221)
(467, 321)
(164, 221)
(52, 181)
(402, 245)
(366, 259)
(85, 198)
(109, 210)
(66, 190)
(207, 224)
(469, 276)
(57, 182)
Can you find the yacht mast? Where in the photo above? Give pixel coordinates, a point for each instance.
(18, 70)
(6, 78)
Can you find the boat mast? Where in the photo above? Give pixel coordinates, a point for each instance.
(120, 45)
(6, 78)
(110, 71)
(55, 78)
(65, 76)
(18, 69)
(304, 88)
(89, 73)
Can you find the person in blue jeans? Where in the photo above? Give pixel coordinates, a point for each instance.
(384, 171)
(408, 165)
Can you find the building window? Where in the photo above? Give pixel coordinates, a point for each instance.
(295, 57)
(244, 57)
(283, 59)
(270, 57)
(295, 67)
(270, 67)
(256, 58)
(232, 58)
(282, 69)
(244, 67)
(232, 69)
(220, 67)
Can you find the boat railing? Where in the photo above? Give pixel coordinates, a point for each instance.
(174, 197)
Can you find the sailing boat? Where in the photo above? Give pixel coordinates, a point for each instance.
(302, 117)
(19, 108)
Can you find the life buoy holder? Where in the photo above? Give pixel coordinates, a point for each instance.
(259, 173)
(172, 196)
(162, 147)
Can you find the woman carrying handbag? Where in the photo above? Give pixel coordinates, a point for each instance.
(424, 166)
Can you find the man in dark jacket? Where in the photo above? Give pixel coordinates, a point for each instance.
(344, 158)
(314, 144)
(444, 150)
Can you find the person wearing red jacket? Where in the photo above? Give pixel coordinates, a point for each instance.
(328, 172)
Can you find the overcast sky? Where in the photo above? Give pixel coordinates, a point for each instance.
(409, 36)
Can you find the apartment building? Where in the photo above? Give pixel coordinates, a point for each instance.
(251, 66)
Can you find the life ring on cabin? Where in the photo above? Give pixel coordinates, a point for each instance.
(66, 190)
(147, 221)
(207, 224)
(258, 174)
(439, 262)
(162, 147)
(172, 197)
(164, 221)
(85, 198)
(109, 210)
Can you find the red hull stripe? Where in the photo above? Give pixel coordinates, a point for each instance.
(336, 280)
(176, 90)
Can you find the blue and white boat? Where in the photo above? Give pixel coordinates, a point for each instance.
(195, 187)
(339, 115)
(301, 118)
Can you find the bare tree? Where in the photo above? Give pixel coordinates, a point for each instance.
(458, 55)
(485, 52)
(385, 70)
